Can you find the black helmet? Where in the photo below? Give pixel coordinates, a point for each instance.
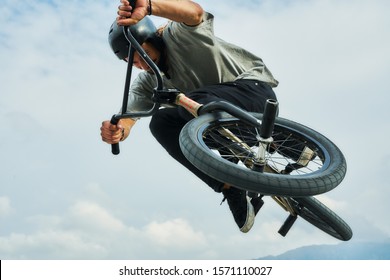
(143, 31)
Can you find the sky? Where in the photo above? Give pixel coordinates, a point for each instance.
(63, 195)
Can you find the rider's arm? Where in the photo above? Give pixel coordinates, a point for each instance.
(126, 124)
(185, 11)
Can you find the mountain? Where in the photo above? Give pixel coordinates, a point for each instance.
(343, 251)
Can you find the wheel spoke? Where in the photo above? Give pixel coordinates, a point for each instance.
(288, 154)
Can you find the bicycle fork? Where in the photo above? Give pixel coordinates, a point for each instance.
(265, 135)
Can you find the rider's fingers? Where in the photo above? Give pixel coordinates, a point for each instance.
(126, 21)
(111, 137)
(106, 137)
(109, 128)
(110, 133)
(125, 7)
(113, 128)
(124, 14)
(105, 123)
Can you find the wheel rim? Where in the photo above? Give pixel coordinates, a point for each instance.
(289, 149)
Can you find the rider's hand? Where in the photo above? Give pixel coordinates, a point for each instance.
(113, 134)
(128, 16)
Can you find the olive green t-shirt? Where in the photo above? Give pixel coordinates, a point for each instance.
(196, 58)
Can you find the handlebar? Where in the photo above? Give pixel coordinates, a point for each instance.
(135, 47)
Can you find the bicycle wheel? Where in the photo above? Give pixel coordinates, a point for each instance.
(300, 161)
(320, 216)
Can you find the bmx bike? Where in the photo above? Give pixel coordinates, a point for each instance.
(263, 154)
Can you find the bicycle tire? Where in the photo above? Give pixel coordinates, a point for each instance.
(201, 155)
(320, 216)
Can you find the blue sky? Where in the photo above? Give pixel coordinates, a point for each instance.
(64, 196)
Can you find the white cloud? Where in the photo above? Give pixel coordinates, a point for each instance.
(89, 231)
(176, 233)
(49, 244)
(92, 215)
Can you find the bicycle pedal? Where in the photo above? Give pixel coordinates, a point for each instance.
(284, 229)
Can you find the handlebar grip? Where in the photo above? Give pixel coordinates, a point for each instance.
(115, 147)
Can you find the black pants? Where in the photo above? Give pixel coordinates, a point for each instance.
(167, 123)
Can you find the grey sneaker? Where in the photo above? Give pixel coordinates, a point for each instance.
(241, 207)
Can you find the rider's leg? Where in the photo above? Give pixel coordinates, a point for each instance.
(249, 95)
(166, 125)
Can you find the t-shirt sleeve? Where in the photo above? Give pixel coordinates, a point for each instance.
(184, 34)
(140, 95)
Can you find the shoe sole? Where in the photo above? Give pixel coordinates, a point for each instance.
(250, 217)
